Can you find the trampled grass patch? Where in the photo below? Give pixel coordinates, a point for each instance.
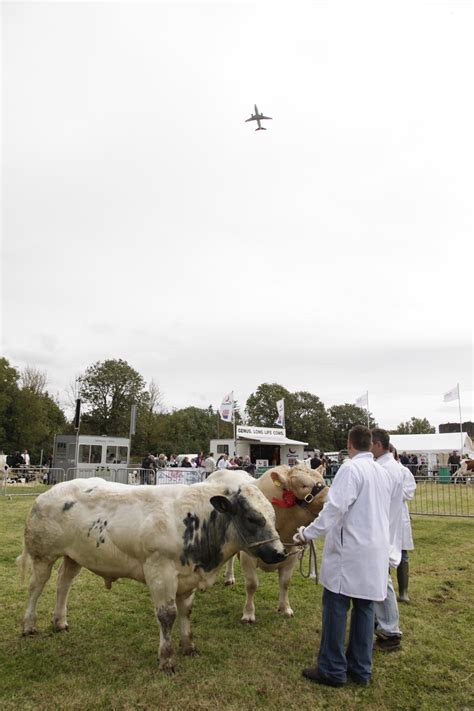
(108, 659)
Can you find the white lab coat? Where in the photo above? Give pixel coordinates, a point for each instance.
(409, 488)
(356, 522)
(390, 464)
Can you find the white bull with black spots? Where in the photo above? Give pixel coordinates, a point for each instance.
(172, 538)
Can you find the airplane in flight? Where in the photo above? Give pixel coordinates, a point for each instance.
(258, 117)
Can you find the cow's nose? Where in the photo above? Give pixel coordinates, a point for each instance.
(269, 554)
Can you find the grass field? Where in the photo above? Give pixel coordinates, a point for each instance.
(108, 659)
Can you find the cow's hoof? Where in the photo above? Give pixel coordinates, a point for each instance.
(286, 613)
(191, 652)
(60, 627)
(29, 631)
(168, 667)
(230, 581)
(248, 620)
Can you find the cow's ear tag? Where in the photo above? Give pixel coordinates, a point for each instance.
(277, 482)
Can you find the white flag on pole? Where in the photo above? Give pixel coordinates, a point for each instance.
(363, 401)
(451, 395)
(280, 420)
(227, 407)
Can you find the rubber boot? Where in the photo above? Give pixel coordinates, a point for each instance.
(402, 577)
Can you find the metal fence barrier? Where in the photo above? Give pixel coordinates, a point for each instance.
(437, 494)
(443, 495)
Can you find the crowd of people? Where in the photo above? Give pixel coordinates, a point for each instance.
(151, 464)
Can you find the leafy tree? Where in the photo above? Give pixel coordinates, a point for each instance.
(308, 421)
(416, 425)
(108, 390)
(343, 418)
(148, 420)
(305, 415)
(33, 379)
(187, 430)
(8, 393)
(29, 417)
(261, 405)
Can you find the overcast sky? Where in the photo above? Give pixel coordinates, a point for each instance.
(144, 220)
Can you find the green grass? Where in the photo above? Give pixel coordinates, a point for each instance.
(108, 659)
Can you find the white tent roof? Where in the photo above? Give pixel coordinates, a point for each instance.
(424, 443)
(271, 440)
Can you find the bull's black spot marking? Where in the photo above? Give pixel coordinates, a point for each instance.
(68, 505)
(191, 524)
(203, 542)
(88, 491)
(102, 539)
(105, 523)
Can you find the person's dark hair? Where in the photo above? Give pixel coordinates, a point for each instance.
(360, 438)
(382, 436)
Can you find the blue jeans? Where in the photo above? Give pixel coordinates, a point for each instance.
(386, 613)
(332, 659)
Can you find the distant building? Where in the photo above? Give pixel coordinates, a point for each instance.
(454, 427)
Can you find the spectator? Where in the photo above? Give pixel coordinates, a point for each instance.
(26, 458)
(209, 464)
(148, 469)
(223, 462)
(162, 462)
(18, 461)
(404, 459)
(186, 463)
(248, 466)
(173, 462)
(454, 462)
(315, 461)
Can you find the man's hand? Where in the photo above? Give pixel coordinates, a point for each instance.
(299, 538)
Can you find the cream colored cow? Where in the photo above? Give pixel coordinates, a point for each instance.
(298, 495)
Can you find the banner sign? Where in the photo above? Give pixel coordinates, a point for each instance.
(280, 420)
(269, 432)
(226, 410)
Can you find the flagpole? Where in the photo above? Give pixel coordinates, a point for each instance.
(367, 408)
(233, 422)
(460, 421)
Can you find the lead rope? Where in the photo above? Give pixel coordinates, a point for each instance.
(312, 573)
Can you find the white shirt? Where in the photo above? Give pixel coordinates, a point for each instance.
(223, 464)
(409, 488)
(210, 464)
(391, 465)
(356, 522)
(26, 458)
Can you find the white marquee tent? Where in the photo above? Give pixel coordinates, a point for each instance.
(433, 445)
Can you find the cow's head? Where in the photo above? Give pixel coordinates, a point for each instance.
(307, 485)
(253, 519)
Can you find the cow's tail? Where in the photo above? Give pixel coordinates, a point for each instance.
(23, 561)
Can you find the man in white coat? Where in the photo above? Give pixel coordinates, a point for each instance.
(355, 521)
(388, 631)
(409, 488)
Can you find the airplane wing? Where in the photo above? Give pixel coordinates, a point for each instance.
(252, 118)
(265, 117)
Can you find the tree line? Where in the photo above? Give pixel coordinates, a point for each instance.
(30, 416)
